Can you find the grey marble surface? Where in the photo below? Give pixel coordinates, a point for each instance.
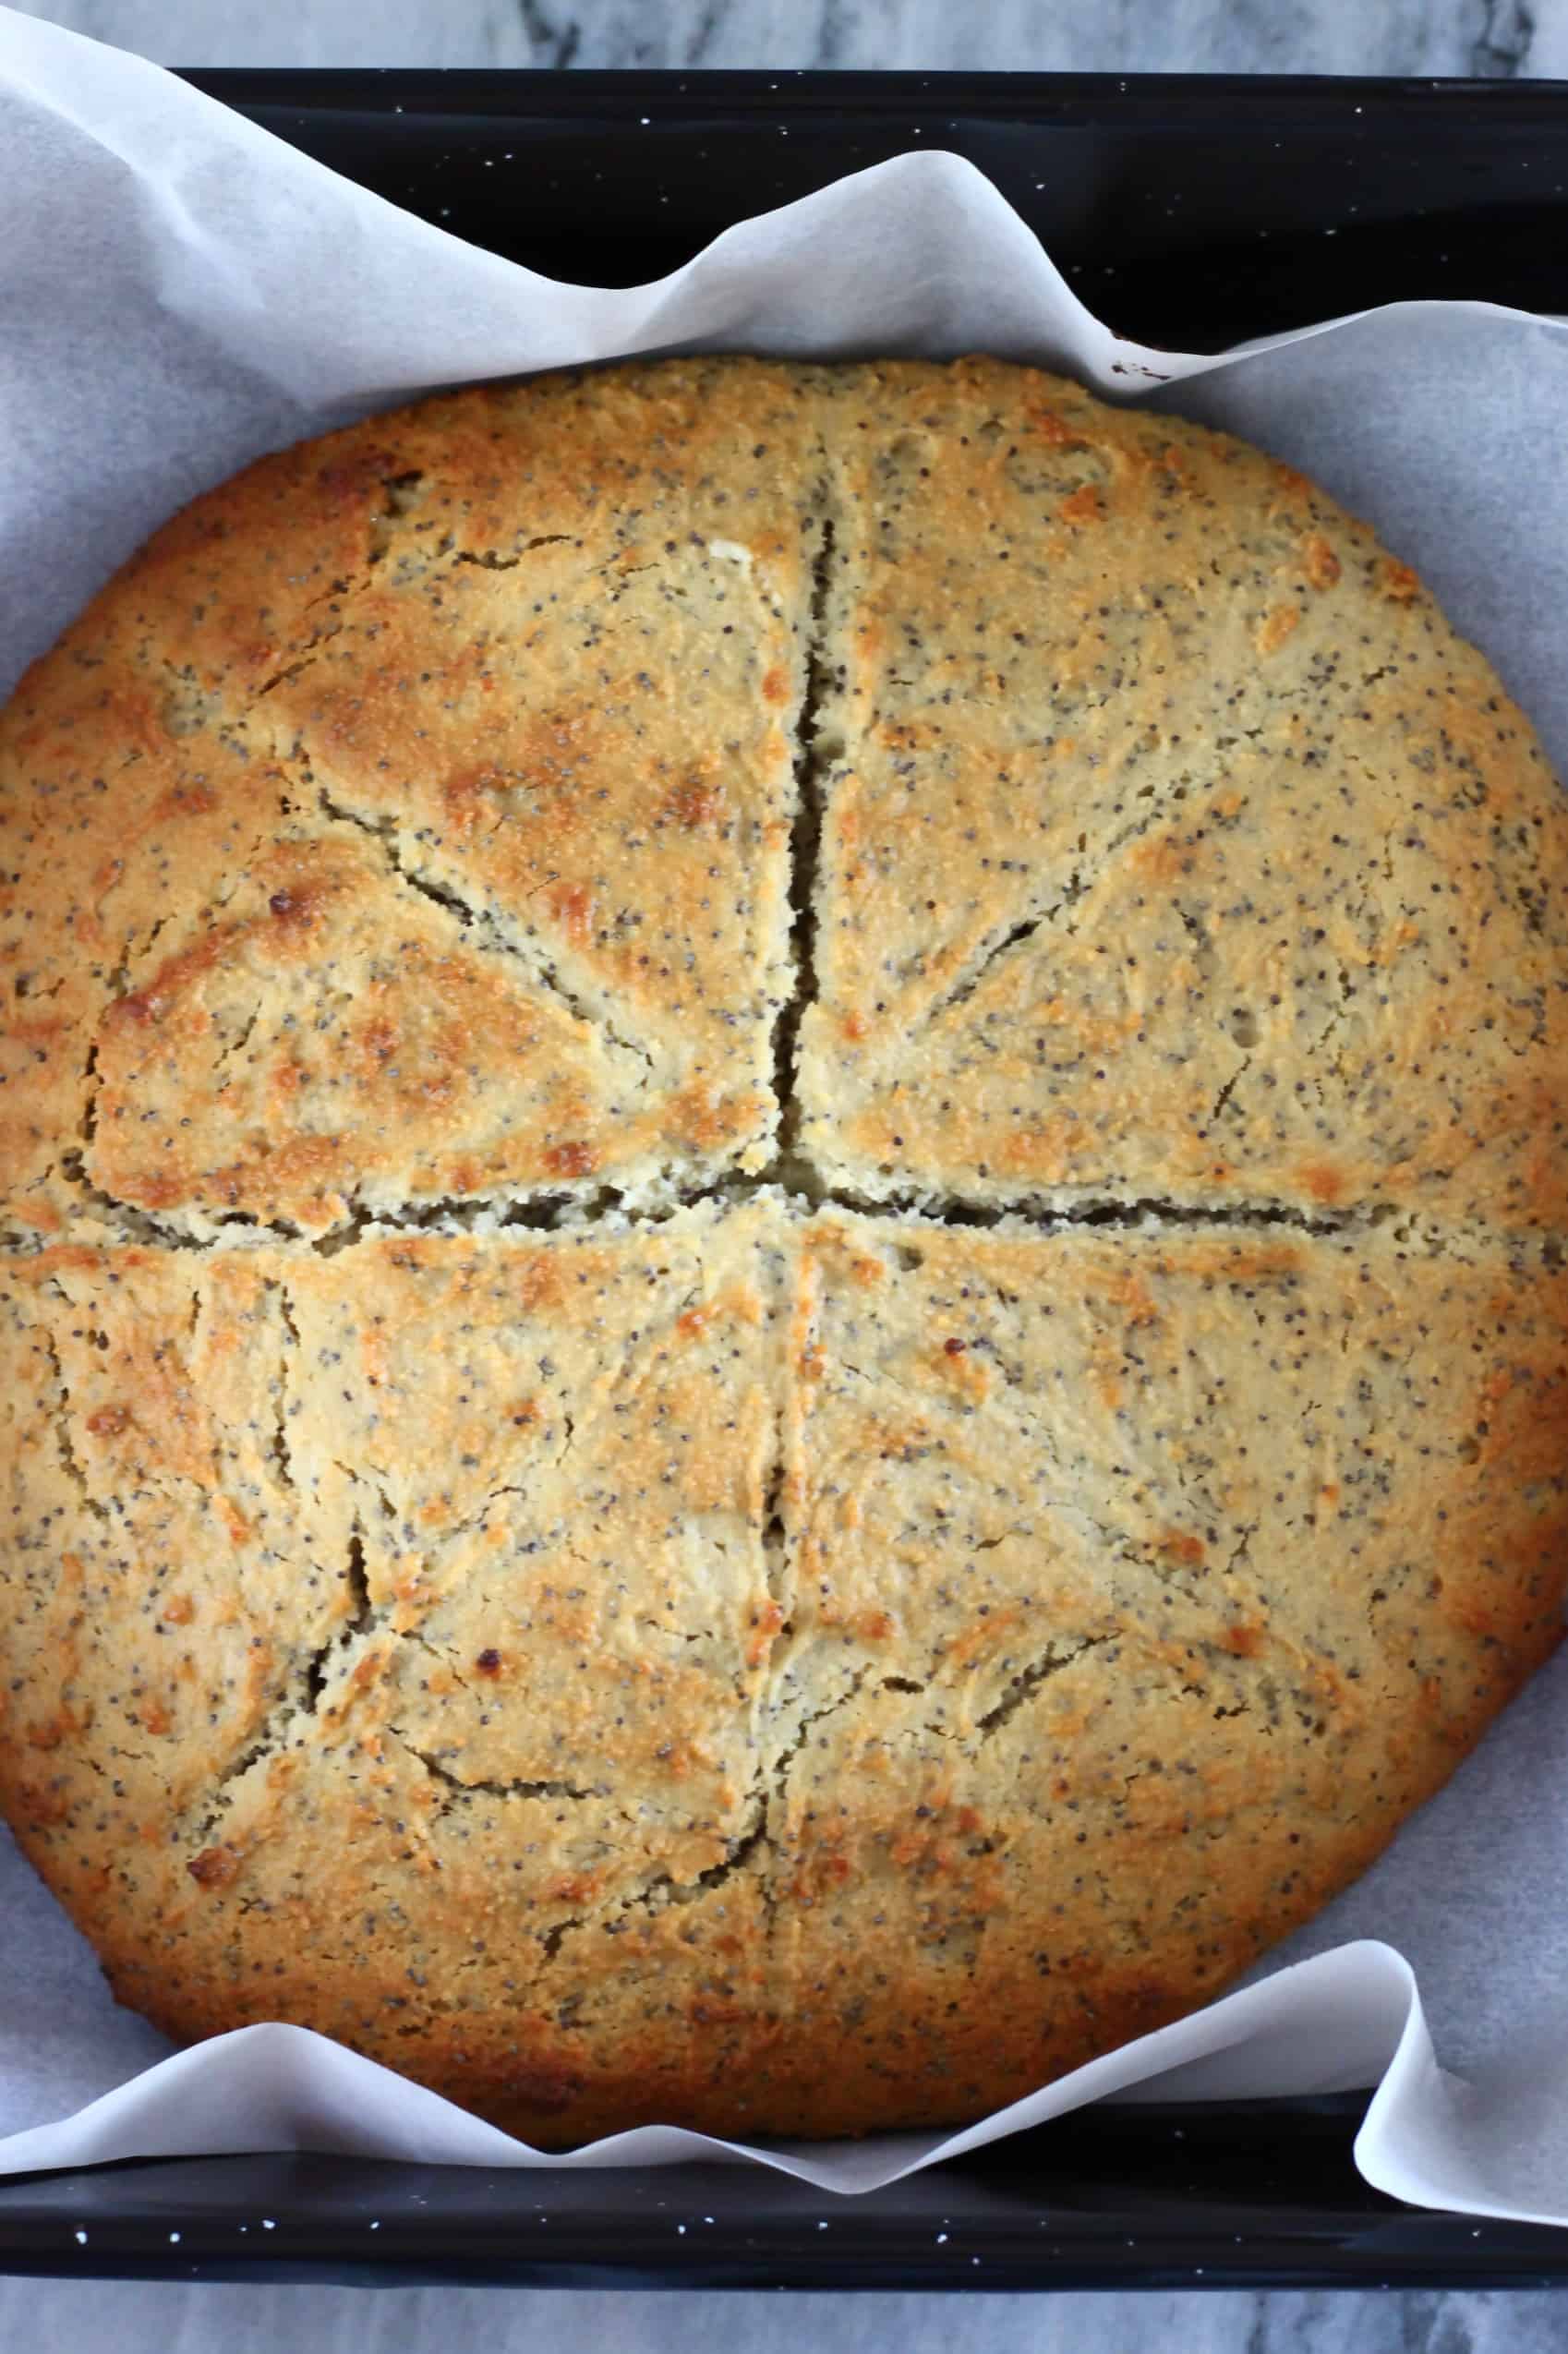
(119, 2319)
(1490, 38)
(1484, 37)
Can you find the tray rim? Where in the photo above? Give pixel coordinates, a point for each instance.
(202, 2218)
(870, 83)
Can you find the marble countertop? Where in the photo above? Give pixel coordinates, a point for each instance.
(117, 2318)
(1486, 38)
(1481, 37)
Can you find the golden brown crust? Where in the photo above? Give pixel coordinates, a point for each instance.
(765, 1666)
(330, 1042)
(466, 1789)
(1178, 847)
(1144, 1582)
(518, 1754)
(538, 650)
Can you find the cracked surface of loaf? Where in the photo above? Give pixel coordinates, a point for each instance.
(781, 1294)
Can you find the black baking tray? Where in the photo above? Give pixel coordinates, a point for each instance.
(1185, 208)
(1193, 212)
(1225, 2194)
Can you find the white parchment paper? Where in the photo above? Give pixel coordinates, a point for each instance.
(179, 292)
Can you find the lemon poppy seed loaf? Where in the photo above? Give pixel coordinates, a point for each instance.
(782, 1182)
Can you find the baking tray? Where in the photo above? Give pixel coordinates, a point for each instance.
(1189, 210)
(1227, 2196)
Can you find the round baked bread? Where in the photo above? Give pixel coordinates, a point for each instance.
(783, 1176)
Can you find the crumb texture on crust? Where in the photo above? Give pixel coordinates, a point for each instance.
(1177, 846)
(474, 724)
(781, 1265)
